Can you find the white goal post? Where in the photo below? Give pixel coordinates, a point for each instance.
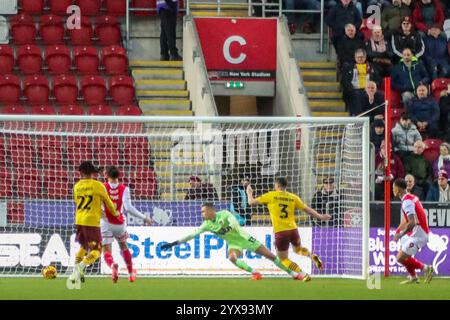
(173, 165)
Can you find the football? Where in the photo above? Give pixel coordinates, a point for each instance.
(49, 272)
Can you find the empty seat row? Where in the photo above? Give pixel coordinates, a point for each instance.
(73, 110)
(66, 90)
(52, 30)
(58, 59)
(87, 7)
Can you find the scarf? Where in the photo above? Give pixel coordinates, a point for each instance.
(378, 45)
(441, 162)
(362, 73)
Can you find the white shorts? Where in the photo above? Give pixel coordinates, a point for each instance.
(411, 244)
(113, 231)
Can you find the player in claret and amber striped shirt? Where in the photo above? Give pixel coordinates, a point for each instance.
(116, 227)
(413, 232)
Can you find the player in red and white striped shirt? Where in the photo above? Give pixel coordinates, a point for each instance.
(116, 227)
(413, 232)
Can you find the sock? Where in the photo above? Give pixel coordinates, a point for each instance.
(80, 255)
(302, 251)
(416, 264)
(90, 258)
(108, 258)
(242, 265)
(409, 265)
(126, 254)
(280, 265)
(291, 265)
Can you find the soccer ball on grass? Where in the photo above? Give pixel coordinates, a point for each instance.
(49, 272)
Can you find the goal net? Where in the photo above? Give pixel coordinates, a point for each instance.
(172, 166)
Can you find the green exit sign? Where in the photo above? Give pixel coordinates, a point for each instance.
(234, 84)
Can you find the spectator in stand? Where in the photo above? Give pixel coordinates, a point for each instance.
(417, 165)
(443, 161)
(326, 201)
(379, 52)
(412, 188)
(200, 190)
(348, 44)
(391, 15)
(446, 5)
(444, 119)
(377, 134)
(239, 202)
(343, 13)
(436, 53)
(354, 80)
(368, 99)
(167, 11)
(426, 14)
(397, 170)
(424, 113)
(406, 37)
(440, 190)
(408, 75)
(404, 136)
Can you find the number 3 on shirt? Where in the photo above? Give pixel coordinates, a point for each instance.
(82, 205)
(284, 212)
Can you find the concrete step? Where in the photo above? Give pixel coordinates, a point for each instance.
(329, 114)
(321, 75)
(324, 95)
(163, 94)
(164, 104)
(167, 196)
(327, 105)
(178, 185)
(188, 167)
(317, 65)
(214, 6)
(158, 74)
(155, 64)
(331, 156)
(223, 13)
(178, 113)
(323, 86)
(160, 84)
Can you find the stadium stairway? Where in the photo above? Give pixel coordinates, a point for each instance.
(237, 8)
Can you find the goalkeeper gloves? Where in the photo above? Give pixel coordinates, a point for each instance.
(169, 245)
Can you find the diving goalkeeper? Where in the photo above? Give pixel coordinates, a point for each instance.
(225, 226)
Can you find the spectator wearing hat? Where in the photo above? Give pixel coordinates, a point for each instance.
(436, 53)
(426, 14)
(397, 170)
(404, 135)
(200, 191)
(391, 15)
(412, 188)
(406, 37)
(239, 202)
(326, 201)
(368, 99)
(424, 112)
(377, 134)
(440, 190)
(443, 161)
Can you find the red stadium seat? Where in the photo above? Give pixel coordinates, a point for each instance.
(396, 99)
(21, 151)
(59, 6)
(28, 183)
(52, 29)
(395, 115)
(136, 151)
(29, 59)
(47, 126)
(57, 58)
(114, 59)
(6, 182)
(431, 151)
(65, 89)
(9, 89)
(82, 36)
(14, 125)
(107, 29)
(144, 184)
(36, 89)
(438, 85)
(3, 151)
(32, 6)
(14, 109)
(79, 149)
(71, 110)
(107, 151)
(89, 7)
(147, 4)
(129, 110)
(23, 29)
(42, 109)
(86, 60)
(6, 59)
(121, 89)
(100, 110)
(93, 89)
(57, 183)
(115, 7)
(50, 151)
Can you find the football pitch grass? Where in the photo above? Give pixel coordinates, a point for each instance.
(219, 289)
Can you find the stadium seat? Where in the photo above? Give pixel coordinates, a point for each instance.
(32, 6)
(432, 147)
(23, 29)
(65, 89)
(143, 183)
(28, 183)
(147, 4)
(114, 59)
(365, 30)
(59, 6)
(57, 58)
(71, 110)
(107, 151)
(82, 36)
(100, 110)
(89, 7)
(6, 182)
(136, 151)
(438, 85)
(129, 127)
(129, 110)
(36, 89)
(93, 89)
(107, 29)
(3, 151)
(50, 151)
(14, 125)
(115, 7)
(29, 59)
(9, 89)
(21, 151)
(43, 109)
(79, 149)
(56, 182)
(13, 109)
(396, 99)
(86, 60)
(6, 59)
(51, 29)
(121, 89)
(395, 115)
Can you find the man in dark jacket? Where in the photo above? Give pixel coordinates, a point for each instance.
(424, 112)
(391, 15)
(369, 99)
(440, 191)
(418, 166)
(344, 12)
(326, 201)
(347, 45)
(377, 134)
(406, 37)
(412, 188)
(167, 11)
(436, 53)
(200, 190)
(444, 118)
(426, 14)
(407, 75)
(239, 202)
